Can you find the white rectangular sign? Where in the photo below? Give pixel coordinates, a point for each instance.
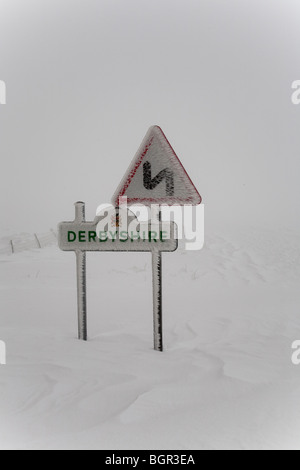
(74, 236)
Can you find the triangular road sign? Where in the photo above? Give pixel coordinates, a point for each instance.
(156, 175)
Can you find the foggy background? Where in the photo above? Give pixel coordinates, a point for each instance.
(86, 79)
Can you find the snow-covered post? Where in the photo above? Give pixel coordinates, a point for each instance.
(157, 300)
(81, 278)
(157, 284)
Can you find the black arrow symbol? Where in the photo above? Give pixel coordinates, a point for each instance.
(165, 174)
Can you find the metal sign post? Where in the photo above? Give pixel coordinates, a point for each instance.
(157, 287)
(81, 278)
(157, 300)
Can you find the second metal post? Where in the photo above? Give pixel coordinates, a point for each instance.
(157, 300)
(81, 279)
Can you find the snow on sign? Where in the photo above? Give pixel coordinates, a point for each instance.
(156, 175)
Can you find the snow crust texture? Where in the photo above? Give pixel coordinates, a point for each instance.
(225, 381)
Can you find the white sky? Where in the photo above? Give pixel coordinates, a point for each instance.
(86, 79)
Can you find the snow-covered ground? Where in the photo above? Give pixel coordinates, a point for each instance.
(225, 381)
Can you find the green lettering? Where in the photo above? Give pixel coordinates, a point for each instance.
(153, 236)
(71, 237)
(123, 237)
(103, 237)
(81, 237)
(135, 236)
(113, 235)
(92, 236)
(163, 236)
